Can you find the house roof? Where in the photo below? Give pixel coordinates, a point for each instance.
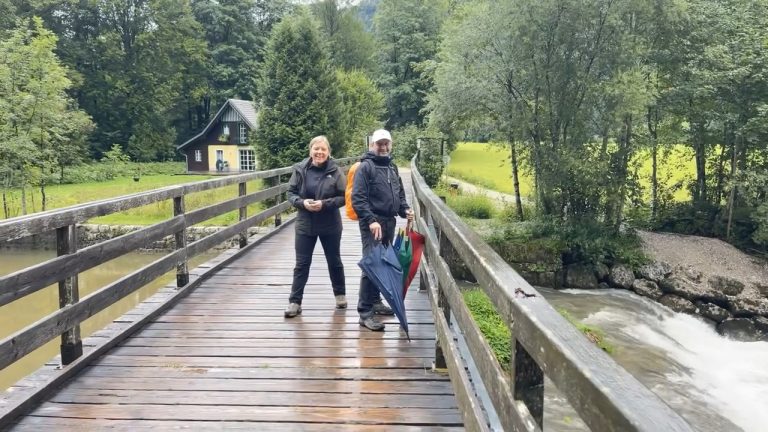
(245, 109)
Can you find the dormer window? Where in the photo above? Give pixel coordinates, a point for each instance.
(243, 133)
(225, 130)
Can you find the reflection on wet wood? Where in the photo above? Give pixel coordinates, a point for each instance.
(226, 354)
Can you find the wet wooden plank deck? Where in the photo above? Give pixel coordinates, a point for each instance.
(225, 358)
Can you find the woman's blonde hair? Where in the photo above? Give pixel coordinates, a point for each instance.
(320, 138)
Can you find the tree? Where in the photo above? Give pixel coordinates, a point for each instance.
(300, 97)
(361, 109)
(406, 34)
(236, 32)
(349, 45)
(40, 126)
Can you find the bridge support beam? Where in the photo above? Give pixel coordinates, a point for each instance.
(182, 270)
(69, 294)
(241, 189)
(528, 382)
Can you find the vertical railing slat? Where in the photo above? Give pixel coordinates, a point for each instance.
(182, 270)
(69, 293)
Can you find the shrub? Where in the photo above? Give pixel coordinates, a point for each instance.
(471, 206)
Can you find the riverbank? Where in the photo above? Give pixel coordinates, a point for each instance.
(700, 276)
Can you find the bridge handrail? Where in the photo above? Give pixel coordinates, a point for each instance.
(72, 261)
(543, 343)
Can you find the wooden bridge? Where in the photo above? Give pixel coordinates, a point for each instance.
(213, 351)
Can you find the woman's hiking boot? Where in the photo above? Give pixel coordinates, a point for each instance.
(381, 309)
(341, 301)
(371, 323)
(292, 310)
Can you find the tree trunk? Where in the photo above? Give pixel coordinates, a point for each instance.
(732, 197)
(42, 195)
(5, 206)
(699, 147)
(653, 128)
(23, 197)
(727, 144)
(515, 178)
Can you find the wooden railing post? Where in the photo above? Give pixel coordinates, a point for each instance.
(241, 189)
(69, 293)
(528, 381)
(278, 200)
(442, 301)
(182, 269)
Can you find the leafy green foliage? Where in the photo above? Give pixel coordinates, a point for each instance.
(361, 108)
(594, 334)
(406, 33)
(300, 98)
(474, 206)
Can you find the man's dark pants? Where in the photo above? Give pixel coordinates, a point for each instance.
(305, 245)
(369, 294)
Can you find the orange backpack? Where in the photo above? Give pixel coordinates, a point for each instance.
(348, 191)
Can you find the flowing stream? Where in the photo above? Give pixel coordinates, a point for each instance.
(715, 383)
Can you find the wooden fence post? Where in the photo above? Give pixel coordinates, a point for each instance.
(528, 381)
(69, 293)
(182, 270)
(241, 189)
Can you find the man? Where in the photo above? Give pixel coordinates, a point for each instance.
(377, 197)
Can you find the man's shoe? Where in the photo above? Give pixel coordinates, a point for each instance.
(292, 310)
(371, 324)
(341, 301)
(382, 309)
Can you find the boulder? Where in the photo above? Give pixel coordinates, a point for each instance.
(761, 324)
(647, 288)
(602, 271)
(713, 312)
(580, 276)
(762, 288)
(621, 276)
(740, 329)
(748, 307)
(726, 285)
(655, 271)
(603, 285)
(678, 304)
(681, 286)
(690, 273)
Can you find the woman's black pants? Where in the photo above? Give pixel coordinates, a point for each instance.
(305, 245)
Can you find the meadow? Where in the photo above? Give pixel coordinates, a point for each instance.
(59, 196)
(488, 165)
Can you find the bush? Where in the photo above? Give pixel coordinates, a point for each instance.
(472, 206)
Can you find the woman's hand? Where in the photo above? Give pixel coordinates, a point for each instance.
(313, 205)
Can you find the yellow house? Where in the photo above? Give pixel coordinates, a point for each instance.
(222, 146)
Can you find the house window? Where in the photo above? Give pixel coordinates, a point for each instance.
(247, 160)
(225, 130)
(198, 155)
(243, 133)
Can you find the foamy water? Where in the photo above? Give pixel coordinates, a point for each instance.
(715, 383)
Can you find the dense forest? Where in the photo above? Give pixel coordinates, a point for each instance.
(576, 90)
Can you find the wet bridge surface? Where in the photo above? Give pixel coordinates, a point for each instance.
(224, 357)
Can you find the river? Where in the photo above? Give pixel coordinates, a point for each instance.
(715, 383)
(29, 309)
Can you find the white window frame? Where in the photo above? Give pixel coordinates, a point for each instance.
(243, 134)
(198, 155)
(247, 163)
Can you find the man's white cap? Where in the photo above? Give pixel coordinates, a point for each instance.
(380, 135)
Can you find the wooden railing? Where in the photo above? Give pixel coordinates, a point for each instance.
(543, 343)
(71, 261)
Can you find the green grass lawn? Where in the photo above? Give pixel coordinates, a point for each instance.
(488, 165)
(59, 196)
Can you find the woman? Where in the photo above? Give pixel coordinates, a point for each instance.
(317, 188)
